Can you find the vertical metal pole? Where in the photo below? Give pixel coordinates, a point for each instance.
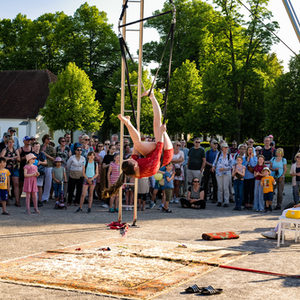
(122, 113)
(138, 118)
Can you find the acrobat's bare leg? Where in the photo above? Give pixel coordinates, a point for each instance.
(167, 141)
(142, 147)
(134, 134)
(156, 117)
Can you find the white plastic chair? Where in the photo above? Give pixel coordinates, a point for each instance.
(287, 224)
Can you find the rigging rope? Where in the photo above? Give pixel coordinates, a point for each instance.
(124, 50)
(272, 32)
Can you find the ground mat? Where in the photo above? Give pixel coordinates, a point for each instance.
(120, 267)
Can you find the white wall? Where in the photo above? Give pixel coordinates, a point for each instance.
(36, 128)
(42, 129)
(28, 129)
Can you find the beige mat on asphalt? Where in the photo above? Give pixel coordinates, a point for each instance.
(133, 269)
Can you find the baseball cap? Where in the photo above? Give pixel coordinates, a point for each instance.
(6, 134)
(11, 129)
(224, 145)
(26, 138)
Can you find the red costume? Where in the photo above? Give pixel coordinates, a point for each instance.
(150, 164)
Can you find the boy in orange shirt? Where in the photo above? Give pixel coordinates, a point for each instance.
(4, 185)
(267, 183)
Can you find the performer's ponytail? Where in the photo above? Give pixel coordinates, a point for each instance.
(128, 169)
(112, 190)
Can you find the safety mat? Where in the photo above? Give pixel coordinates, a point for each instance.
(126, 268)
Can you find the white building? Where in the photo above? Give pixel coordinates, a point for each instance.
(22, 95)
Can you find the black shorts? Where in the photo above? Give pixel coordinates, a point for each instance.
(142, 196)
(268, 196)
(3, 195)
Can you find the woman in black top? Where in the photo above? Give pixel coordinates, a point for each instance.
(108, 158)
(195, 196)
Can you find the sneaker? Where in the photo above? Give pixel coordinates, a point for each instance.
(269, 234)
(225, 205)
(104, 205)
(172, 201)
(88, 210)
(5, 213)
(78, 210)
(278, 207)
(152, 205)
(176, 201)
(126, 208)
(166, 210)
(219, 204)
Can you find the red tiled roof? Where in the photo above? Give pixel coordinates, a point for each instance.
(23, 93)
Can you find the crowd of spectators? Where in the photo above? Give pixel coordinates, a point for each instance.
(77, 173)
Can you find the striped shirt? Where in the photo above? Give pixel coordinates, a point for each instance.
(115, 172)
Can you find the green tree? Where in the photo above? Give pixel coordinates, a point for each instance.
(185, 100)
(146, 116)
(71, 104)
(195, 39)
(231, 53)
(246, 43)
(282, 114)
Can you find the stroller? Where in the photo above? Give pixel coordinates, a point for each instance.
(60, 203)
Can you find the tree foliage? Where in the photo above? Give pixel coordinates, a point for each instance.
(71, 104)
(282, 115)
(231, 53)
(146, 115)
(53, 40)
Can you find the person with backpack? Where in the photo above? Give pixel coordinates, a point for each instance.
(278, 166)
(90, 174)
(12, 158)
(210, 158)
(267, 151)
(222, 166)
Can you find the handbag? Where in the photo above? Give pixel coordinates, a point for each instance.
(178, 172)
(75, 174)
(250, 169)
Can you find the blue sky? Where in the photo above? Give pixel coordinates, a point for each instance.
(34, 8)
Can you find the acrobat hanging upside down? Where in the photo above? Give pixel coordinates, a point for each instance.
(150, 163)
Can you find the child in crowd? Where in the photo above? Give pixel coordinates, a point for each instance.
(158, 186)
(59, 177)
(168, 187)
(112, 177)
(238, 174)
(143, 190)
(90, 174)
(129, 191)
(267, 183)
(258, 204)
(30, 182)
(4, 185)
